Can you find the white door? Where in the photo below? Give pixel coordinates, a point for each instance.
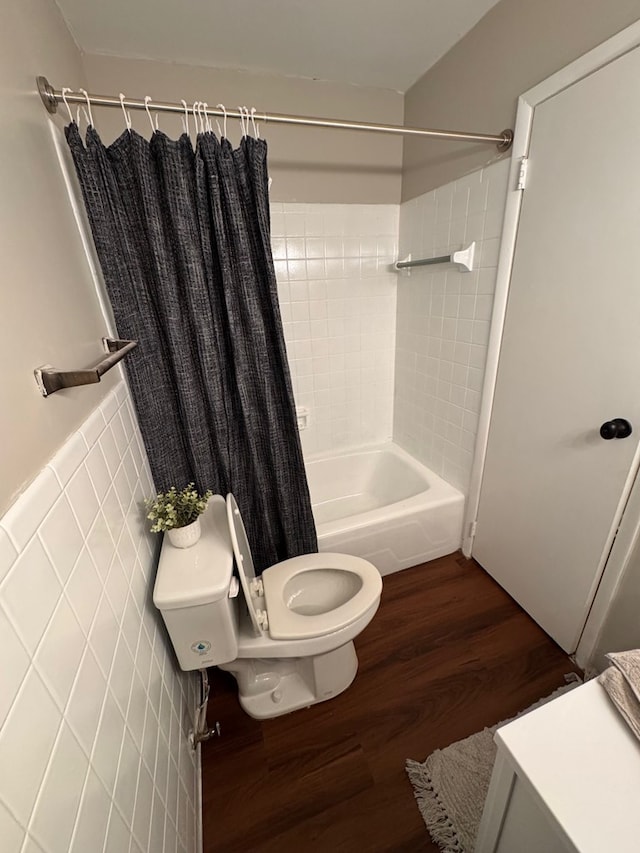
(570, 358)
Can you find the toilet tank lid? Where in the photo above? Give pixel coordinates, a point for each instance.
(202, 573)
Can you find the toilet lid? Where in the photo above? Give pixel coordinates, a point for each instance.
(244, 563)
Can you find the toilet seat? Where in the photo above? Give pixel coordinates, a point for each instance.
(329, 576)
(287, 624)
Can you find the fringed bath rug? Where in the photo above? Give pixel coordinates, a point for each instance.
(450, 787)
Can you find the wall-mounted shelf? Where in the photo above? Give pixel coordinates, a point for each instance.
(464, 257)
(50, 380)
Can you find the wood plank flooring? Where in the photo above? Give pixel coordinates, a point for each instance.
(448, 653)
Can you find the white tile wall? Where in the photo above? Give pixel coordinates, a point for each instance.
(443, 320)
(338, 301)
(93, 753)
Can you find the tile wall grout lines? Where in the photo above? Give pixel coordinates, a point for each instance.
(92, 632)
(337, 298)
(443, 319)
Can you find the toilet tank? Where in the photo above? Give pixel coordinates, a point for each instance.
(194, 591)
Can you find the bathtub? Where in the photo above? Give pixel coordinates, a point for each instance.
(382, 504)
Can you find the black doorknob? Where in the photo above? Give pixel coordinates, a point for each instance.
(617, 428)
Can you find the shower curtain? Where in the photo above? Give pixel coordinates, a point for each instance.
(183, 241)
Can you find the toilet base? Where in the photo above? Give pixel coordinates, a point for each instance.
(270, 687)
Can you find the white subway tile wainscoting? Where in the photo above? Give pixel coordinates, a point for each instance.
(338, 301)
(443, 319)
(93, 713)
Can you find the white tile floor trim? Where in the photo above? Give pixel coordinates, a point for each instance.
(93, 712)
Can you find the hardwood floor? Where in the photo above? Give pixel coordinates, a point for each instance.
(448, 653)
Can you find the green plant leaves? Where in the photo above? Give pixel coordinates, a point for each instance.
(176, 508)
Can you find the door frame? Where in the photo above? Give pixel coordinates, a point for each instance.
(610, 50)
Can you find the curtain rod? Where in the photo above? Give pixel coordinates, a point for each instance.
(52, 97)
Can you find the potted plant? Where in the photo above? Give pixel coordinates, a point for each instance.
(177, 513)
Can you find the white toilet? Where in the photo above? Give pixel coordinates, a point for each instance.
(286, 636)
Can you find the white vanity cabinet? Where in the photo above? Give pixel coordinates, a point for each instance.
(566, 780)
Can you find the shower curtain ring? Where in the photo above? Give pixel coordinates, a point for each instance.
(66, 89)
(127, 115)
(242, 121)
(202, 115)
(256, 129)
(185, 117)
(223, 133)
(147, 101)
(88, 110)
(207, 119)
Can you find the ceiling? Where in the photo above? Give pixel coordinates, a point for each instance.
(382, 43)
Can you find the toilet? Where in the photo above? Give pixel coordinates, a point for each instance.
(286, 636)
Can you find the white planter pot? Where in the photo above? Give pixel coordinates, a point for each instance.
(185, 537)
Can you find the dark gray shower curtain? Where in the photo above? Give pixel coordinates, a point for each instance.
(183, 238)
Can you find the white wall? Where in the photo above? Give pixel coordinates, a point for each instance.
(337, 298)
(93, 713)
(443, 320)
(49, 312)
(476, 84)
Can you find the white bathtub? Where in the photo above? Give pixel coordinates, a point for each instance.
(382, 504)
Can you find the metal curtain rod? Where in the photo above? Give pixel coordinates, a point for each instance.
(52, 97)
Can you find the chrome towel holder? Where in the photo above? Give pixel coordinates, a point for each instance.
(50, 380)
(464, 257)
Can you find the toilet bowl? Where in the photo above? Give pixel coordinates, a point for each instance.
(286, 636)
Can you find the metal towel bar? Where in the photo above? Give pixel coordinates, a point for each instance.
(464, 257)
(50, 380)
